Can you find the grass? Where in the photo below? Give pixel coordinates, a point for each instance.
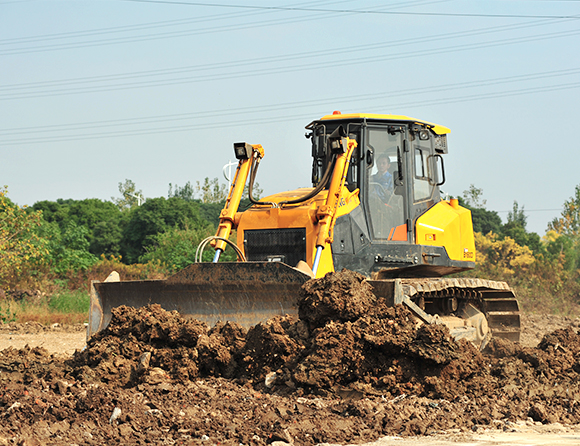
(66, 307)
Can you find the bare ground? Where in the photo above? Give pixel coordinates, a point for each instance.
(340, 374)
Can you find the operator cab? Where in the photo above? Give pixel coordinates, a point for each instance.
(397, 168)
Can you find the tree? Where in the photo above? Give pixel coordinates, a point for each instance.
(256, 192)
(67, 247)
(102, 219)
(211, 191)
(484, 221)
(499, 257)
(186, 192)
(176, 248)
(515, 228)
(523, 238)
(21, 248)
(517, 216)
(106, 239)
(211, 212)
(473, 197)
(569, 222)
(561, 247)
(155, 216)
(130, 196)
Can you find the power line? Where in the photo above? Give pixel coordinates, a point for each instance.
(533, 210)
(286, 57)
(355, 11)
(229, 74)
(285, 118)
(137, 27)
(174, 34)
(296, 104)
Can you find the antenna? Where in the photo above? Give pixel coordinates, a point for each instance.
(139, 198)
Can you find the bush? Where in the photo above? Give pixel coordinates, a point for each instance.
(22, 250)
(547, 282)
(104, 266)
(77, 301)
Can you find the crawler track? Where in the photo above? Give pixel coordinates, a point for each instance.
(446, 296)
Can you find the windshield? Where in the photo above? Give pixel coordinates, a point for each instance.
(321, 155)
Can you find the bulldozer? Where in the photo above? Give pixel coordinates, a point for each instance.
(375, 207)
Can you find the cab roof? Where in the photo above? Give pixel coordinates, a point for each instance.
(439, 129)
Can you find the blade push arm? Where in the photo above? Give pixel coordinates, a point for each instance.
(327, 212)
(246, 154)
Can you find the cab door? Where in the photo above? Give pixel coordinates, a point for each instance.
(386, 185)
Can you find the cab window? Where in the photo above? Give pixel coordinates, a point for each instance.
(423, 178)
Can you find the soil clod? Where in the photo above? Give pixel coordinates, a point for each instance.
(349, 369)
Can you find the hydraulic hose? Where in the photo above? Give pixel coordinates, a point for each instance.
(321, 185)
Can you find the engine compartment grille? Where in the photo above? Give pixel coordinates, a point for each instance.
(286, 245)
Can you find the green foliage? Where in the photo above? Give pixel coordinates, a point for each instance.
(21, 249)
(543, 282)
(186, 192)
(515, 228)
(561, 248)
(67, 247)
(102, 219)
(130, 196)
(7, 314)
(543, 271)
(106, 238)
(484, 221)
(257, 192)
(564, 232)
(473, 197)
(522, 237)
(176, 248)
(569, 222)
(77, 301)
(210, 212)
(155, 216)
(517, 216)
(211, 191)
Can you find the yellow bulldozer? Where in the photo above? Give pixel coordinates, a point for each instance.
(375, 207)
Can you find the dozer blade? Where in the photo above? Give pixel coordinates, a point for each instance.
(242, 292)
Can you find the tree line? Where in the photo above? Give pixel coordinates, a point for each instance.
(66, 241)
(53, 240)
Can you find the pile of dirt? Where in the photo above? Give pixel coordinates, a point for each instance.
(37, 327)
(348, 369)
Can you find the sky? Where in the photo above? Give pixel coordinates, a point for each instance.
(94, 92)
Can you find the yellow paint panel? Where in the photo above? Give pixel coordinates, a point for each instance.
(301, 215)
(348, 202)
(450, 227)
(439, 129)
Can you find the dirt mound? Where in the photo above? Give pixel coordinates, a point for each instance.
(349, 369)
(36, 327)
(336, 297)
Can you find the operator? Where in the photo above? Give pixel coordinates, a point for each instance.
(384, 178)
